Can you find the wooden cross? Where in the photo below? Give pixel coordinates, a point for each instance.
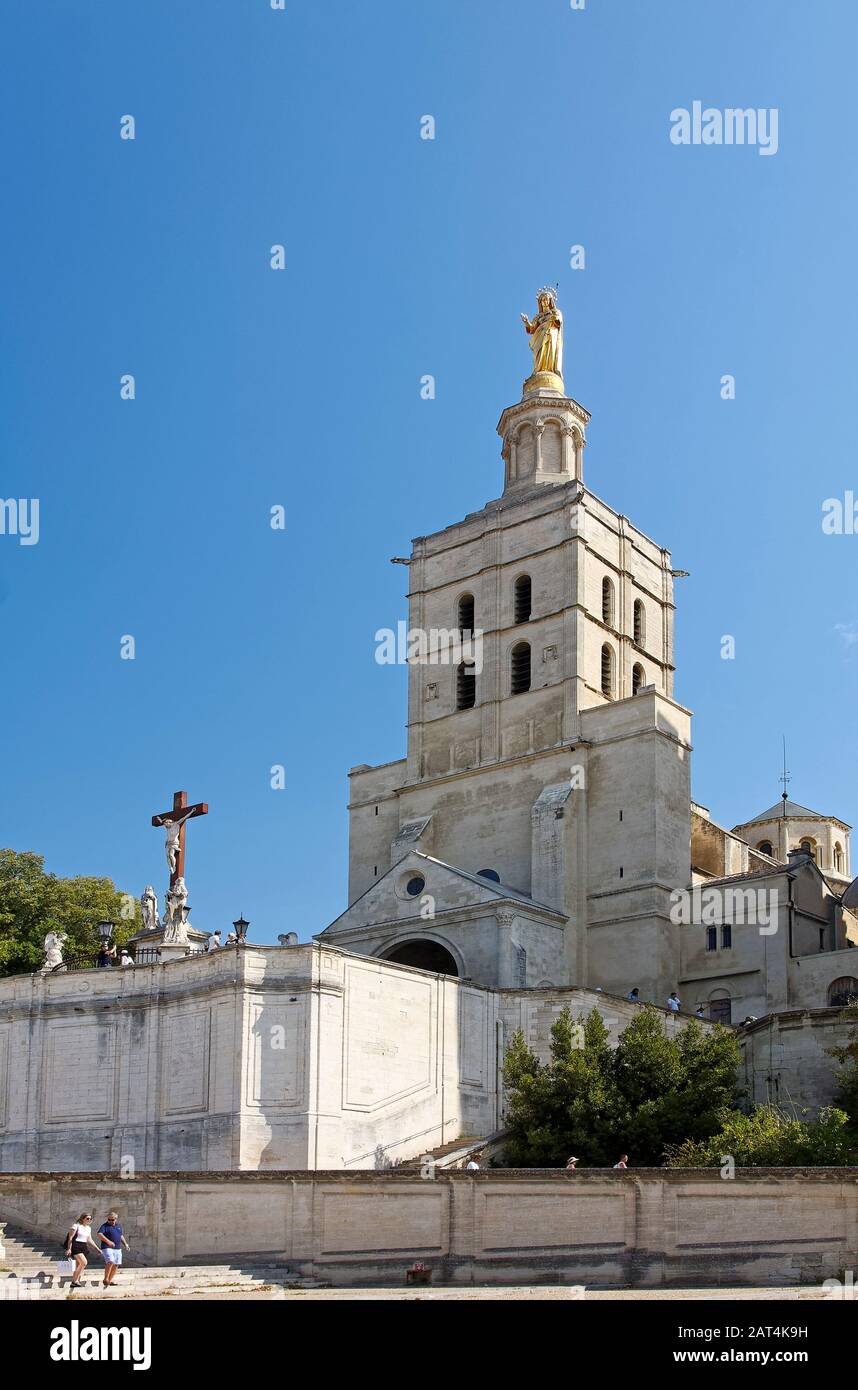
(181, 811)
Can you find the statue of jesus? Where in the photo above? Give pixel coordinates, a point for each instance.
(174, 829)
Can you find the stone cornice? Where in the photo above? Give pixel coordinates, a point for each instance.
(547, 405)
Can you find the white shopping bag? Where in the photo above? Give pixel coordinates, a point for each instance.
(65, 1267)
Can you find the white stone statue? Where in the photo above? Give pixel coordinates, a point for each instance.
(173, 829)
(176, 915)
(149, 908)
(54, 942)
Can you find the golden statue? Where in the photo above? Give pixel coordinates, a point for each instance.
(546, 343)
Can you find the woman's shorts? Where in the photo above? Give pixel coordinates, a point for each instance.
(79, 1247)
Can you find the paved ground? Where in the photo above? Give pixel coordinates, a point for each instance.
(524, 1294)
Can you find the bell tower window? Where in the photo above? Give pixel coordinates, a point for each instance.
(639, 623)
(466, 685)
(466, 614)
(608, 671)
(520, 669)
(608, 602)
(522, 602)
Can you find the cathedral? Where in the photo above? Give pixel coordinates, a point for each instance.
(540, 830)
(536, 849)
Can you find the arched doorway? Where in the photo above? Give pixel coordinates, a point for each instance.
(425, 955)
(720, 1006)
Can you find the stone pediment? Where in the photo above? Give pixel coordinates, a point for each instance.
(400, 896)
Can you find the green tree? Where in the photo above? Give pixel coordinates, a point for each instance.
(668, 1089)
(770, 1138)
(596, 1102)
(33, 903)
(562, 1107)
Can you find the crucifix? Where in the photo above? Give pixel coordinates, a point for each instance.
(174, 823)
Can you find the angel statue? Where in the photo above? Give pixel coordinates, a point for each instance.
(149, 908)
(54, 943)
(546, 334)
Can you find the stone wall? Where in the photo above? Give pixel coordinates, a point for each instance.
(267, 1057)
(644, 1227)
(298, 1057)
(785, 1058)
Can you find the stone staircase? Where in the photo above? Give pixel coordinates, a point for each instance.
(32, 1262)
(457, 1152)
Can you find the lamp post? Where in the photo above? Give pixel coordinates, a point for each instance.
(105, 932)
(240, 928)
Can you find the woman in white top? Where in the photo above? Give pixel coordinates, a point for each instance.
(78, 1240)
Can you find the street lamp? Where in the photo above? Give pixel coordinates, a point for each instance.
(241, 929)
(105, 931)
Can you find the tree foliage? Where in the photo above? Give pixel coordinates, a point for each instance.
(597, 1102)
(846, 1096)
(770, 1138)
(33, 902)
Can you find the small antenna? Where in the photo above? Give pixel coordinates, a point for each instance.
(785, 777)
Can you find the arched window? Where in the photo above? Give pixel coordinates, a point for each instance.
(520, 669)
(466, 685)
(608, 671)
(522, 602)
(638, 678)
(843, 991)
(466, 613)
(808, 847)
(608, 601)
(765, 847)
(838, 858)
(639, 623)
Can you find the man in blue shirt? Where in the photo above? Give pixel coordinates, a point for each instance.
(111, 1240)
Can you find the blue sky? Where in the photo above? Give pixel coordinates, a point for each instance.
(301, 388)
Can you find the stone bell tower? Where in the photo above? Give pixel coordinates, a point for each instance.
(556, 765)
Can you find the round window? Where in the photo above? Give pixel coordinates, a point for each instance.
(414, 887)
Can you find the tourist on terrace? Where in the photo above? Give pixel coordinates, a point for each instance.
(78, 1241)
(112, 1240)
